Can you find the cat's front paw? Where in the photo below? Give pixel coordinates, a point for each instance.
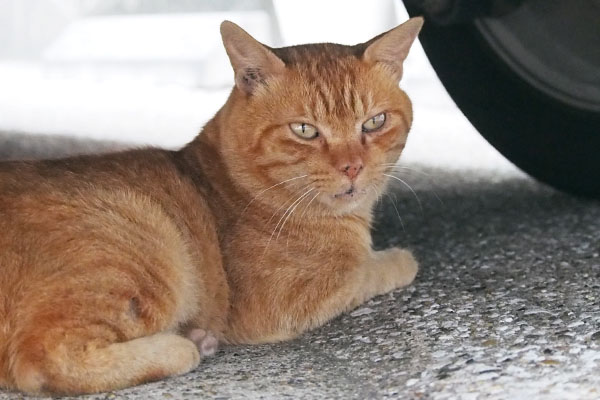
(400, 266)
(407, 266)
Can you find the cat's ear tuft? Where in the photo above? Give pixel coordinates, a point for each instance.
(391, 48)
(253, 63)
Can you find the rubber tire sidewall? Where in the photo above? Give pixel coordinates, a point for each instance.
(552, 141)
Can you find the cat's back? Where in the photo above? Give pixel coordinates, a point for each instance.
(52, 211)
(116, 170)
(122, 208)
(48, 199)
(38, 187)
(44, 202)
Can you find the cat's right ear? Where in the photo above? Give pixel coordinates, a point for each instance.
(391, 48)
(252, 62)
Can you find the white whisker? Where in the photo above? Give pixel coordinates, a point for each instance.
(394, 167)
(302, 216)
(269, 188)
(397, 212)
(304, 196)
(377, 193)
(286, 202)
(408, 169)
(308, 205)
(283, 216)
(409, 188)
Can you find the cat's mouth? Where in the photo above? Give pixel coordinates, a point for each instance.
(350, 193)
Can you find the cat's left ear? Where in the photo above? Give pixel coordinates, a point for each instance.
(391, 48)
(253, 63)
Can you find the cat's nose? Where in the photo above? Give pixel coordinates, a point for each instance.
(351, 169)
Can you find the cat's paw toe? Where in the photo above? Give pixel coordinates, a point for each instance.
(205, 341)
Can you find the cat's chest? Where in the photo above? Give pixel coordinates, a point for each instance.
(302, 242)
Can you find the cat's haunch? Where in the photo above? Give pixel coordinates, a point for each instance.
(129, 267)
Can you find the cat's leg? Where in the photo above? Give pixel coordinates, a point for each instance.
(78, 339)
(289, 304)
(381, 272)
(74, 338)
(101, 340)
(104, 327)
(75, 367)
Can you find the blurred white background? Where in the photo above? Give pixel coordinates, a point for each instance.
(154, 71)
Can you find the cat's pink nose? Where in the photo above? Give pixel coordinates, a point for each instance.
(351, 169)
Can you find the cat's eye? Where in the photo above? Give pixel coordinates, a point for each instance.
(305, 131)
(374, 123)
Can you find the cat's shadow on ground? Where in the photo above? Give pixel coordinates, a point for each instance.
(465, 205)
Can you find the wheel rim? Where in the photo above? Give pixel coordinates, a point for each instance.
(554, 45)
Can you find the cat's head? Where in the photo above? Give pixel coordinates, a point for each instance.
(318, 121)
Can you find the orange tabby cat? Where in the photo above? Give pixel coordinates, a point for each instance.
(125, 268)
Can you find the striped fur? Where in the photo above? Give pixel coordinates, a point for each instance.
(124, 268)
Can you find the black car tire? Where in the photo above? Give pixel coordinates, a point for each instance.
(556, 142)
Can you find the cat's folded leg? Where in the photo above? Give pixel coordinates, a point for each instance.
(75, 368)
